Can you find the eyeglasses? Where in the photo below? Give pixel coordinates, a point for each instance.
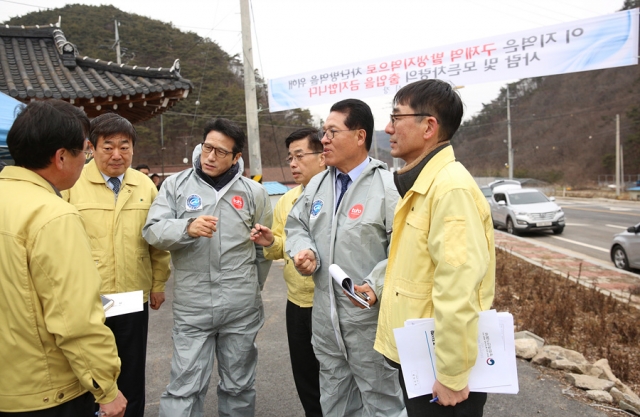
(298, 157)
(220, 153)
(331, 133)
(394, 116)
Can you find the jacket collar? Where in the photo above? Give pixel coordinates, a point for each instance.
(405, 178)
(428, 174)
(24, 174)
(373, 164)
(93, 175)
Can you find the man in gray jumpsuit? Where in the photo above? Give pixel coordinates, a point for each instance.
(344, 217)
(204, 216)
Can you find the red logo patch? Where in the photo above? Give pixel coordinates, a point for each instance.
(356, 211)
(237, 202)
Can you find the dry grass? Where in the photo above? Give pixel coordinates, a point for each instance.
(570, 315)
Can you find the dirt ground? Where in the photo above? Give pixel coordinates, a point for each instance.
(570, 315)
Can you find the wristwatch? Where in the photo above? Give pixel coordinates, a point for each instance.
(191, 220)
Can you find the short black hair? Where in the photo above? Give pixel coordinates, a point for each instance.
(43, 127)
(359, 116)
(227, 128)
(437, 98)
(142, 166)
(309, 133)
(110, 124)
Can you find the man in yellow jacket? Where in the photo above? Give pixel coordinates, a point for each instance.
(442, 255)
(113, 200)
(305, 160)
(57, 358)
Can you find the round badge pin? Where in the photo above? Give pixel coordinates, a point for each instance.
(237, 202)
(316, 207)
(194, 202)
(356, 211)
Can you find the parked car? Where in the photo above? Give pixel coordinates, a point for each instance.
(625, 249)
(525, 209)
(486, 190)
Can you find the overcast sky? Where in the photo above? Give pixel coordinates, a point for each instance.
(295, 36)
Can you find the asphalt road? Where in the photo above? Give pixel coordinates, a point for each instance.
(539, 395)
(591, 224)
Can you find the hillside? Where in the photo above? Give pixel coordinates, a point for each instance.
(217, 79)
(563, 128)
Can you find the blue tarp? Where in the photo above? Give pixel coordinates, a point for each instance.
(7, 115)
(275, 188)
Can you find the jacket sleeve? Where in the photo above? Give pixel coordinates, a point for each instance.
(376, 278)
(276, 250)
(160, 269)
(297, 229)
(67, 283)
(163, 230)
(460, 255)
(264, 215)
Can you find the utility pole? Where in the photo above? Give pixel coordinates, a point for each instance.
(162, 143)
(617, 155)
(509, 148)
(251, 103)
(375, 145)
(117, 44)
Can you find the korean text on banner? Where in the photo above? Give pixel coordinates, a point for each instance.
(602, 42)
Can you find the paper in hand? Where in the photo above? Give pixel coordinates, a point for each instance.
(346, 283)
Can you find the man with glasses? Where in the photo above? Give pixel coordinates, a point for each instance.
(114, 200)
(344, 217)
(442, 257)
(305, 161)
(57, 358)
(204, 216)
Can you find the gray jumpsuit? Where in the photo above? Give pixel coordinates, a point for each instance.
(217, 307)
(354, 378)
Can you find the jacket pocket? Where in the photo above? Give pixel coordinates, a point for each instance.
(455, 241)
(412, 289)
(411, 300)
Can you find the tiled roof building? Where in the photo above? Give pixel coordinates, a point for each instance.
(38, 62)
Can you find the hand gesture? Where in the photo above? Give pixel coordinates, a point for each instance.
(115, 408)
(305, 262)
(365, 289)
(203, 226)
(262, 235)
(447, 396)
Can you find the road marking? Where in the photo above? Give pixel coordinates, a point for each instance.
(581, 244)
(602, 211)
(615, 226)
(576, 224)
(620, 209)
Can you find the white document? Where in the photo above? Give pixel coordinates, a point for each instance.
(346, 283)
(506, 328)
(125, 303)
(495, 369)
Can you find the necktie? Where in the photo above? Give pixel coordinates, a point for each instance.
(344, 183)
(115, 182)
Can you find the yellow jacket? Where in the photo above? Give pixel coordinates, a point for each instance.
(124, 259)
(299, 287)
(54, 345)
(441, 265)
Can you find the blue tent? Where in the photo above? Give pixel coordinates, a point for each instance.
(8, 109)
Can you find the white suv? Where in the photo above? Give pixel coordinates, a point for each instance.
(525, 209)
